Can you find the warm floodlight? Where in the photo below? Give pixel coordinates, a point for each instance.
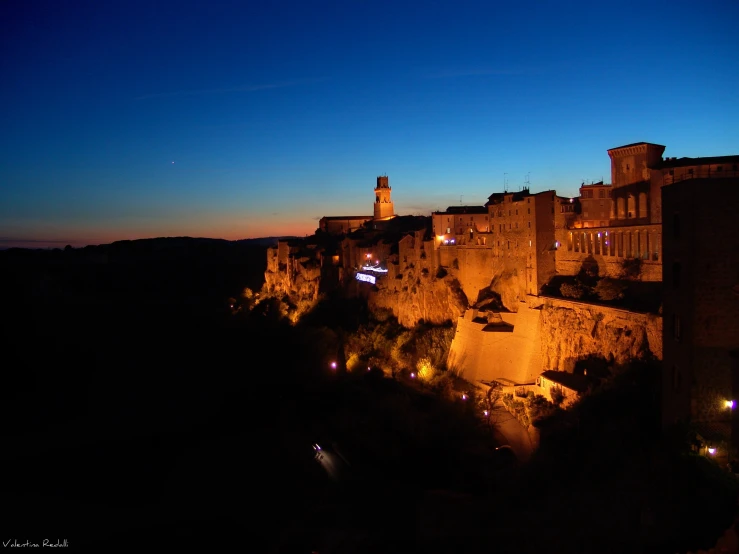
(711, 451)
(729, 404)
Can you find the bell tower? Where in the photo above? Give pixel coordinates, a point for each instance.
(383, 202)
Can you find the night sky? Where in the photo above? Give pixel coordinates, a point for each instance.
(136, 119)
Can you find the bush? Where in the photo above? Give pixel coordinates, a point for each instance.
(574, 290)
(631, 268)
(609, 289)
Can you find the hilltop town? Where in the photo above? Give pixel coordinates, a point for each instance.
(547, 291)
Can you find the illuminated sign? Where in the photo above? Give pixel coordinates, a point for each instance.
(366, 278)
(374, 269)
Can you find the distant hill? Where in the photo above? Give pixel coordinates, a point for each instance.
(260, 241)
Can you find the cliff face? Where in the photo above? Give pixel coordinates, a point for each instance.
(412, 299)
(480, 272)
(296, 278)
(571, 331)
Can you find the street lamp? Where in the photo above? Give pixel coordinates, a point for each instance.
(729, 404)
(711, 450)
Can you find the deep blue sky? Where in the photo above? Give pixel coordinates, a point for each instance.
(278, 113)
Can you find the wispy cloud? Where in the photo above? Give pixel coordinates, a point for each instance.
(478, 72)
(241, 88)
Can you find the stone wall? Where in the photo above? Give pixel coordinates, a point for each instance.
(569, 263)
(572, 330)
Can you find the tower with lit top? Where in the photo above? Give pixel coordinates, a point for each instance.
(383, 202)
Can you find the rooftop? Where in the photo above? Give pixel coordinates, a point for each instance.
(682, 162)
(572, 381)
(465, 210)
(339, 217)
(637, 144)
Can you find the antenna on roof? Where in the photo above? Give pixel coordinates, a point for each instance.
(505, 182)
(527, 182)
(460, 199)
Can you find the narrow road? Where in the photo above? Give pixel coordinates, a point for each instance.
(508, 430)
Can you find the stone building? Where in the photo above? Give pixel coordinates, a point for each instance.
(701, 304)
(343, 225)
(383, 203)
(596, 207)
(459, 220)
(523, 226)
(675, 216)
(383, 211)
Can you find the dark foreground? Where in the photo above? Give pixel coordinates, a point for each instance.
(138, 412)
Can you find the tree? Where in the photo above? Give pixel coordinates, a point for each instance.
(557, 396)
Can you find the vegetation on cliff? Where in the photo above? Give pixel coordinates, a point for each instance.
(626, 291)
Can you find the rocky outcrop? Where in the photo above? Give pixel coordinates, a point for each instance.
(507, 287)
(293, 279)
(412, 299)
(572, 331)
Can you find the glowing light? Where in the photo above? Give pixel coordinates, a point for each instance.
(729, 404)
(425, 369)
(333, 365)
(486, 413)
(464, 397)
(413, 375)
(711, 451)
(368, 256)
(366, 278)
